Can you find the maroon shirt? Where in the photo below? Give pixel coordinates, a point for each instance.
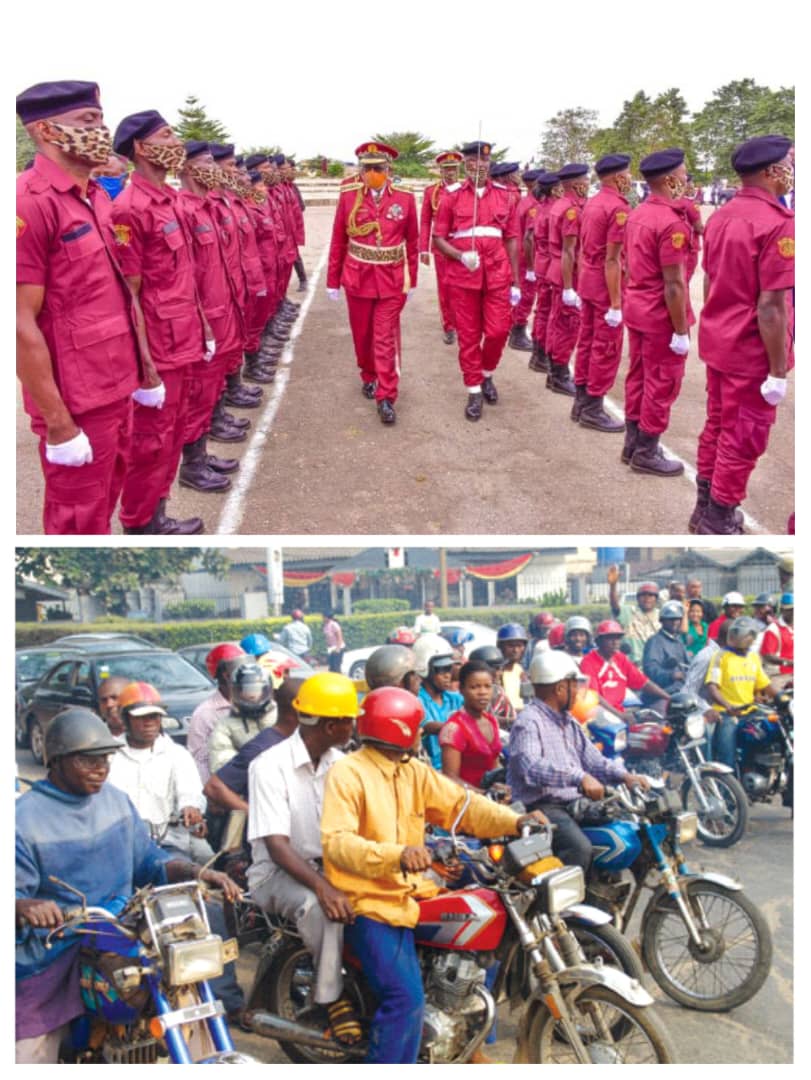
(431, 198)
(396, 214)
(152, 245)
(564, 220)
(67, 244)
(281, 216)
(249, 248)
(498, 209)
(226, 222)
(264, 229)
(602, 223)
(748, 249)
(527, 210)
(655, 237)
(541, 229)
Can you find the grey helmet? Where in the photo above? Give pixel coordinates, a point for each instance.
(78, 731)
(577, 622)
(389, 665)
(739, 629)
(672, 609)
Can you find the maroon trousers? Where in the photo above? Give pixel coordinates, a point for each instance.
(205, 381)
(542, 312)
(483, 319)
(80, 499)
(259, 310)
(653, 381)
(599, 350)
(523, 309)
(735, 435)
(443, 292)
(375, 325)
(563, 328)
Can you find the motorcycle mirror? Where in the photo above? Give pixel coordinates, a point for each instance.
(70, 888)
(461, 814)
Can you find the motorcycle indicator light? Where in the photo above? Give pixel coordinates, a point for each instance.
(620, 741)
(496, 852)
(156, 1028)
(667, 729)
(686, 827)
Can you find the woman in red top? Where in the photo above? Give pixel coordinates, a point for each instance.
(469, 738)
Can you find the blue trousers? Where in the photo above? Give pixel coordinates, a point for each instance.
(389, 960)
(724, 740)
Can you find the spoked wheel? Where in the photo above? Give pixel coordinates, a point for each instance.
(733, 960)
(613, 1032)
(606, 943)
(725, 822)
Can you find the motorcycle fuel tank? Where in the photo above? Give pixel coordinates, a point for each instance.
(647, 738)
(473, 920)
(616, 846)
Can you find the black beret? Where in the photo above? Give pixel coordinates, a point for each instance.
(547, 178)
(194, 147)
(504, 168)
(239, 160)
(254, 160)
(52, 98)
(573, 170)
(756, 154)
(137, 126)
(531, 175)
(255, 177)
(481, 149)
(612, 163)
(661, 162)
(221, 150)
(278, 159)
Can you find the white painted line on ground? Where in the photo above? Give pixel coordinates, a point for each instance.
(751, 524)
(232, 511)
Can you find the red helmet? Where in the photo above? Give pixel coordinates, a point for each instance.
(227, 651)
(542, 619)
(390, 717)
(556, 636)
(649, 587)
(401, 636)
(297, 613)
(608, 626)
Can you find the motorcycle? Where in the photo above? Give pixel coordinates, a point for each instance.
(513, 914)
(660, 747)
(143, 980)
(765, 750)
(703, 941)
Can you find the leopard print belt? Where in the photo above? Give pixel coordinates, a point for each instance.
(376, 254)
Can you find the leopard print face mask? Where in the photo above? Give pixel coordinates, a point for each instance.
(93, 145)
(208, 176)
(581, 188)
(169, 157)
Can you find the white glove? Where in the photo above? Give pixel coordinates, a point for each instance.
(76, 451)
(773, 390)
(613, 317)
(570, 298)
(470, 260)
(153, 397)
(515, 295)
(410, 293)
(334, 294)
(680, 344)
(211, 348)
(530, 275)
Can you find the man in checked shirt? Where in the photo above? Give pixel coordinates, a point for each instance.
(551, 760)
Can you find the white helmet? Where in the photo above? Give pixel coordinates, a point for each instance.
(427, 648)
(548, 668)
(733, 598)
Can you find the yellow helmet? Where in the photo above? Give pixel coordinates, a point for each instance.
(327, 694)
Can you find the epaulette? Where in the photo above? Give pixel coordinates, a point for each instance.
(351, 187)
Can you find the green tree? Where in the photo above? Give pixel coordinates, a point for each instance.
(269, 150)
(736, 112)
(195, 123)
(415, 150)
(110, 573)
(645, 125)
(567, 136)
(25, 146)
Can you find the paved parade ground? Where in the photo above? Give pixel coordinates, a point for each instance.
(318, 459)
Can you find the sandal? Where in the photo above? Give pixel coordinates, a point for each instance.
(344, 1022)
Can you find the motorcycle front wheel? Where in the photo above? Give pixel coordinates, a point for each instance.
(607, 944)
(726, 822)
(733, 960)
(613, 1032)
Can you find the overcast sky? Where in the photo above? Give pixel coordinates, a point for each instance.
(315, 77)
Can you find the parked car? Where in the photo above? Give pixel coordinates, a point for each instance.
(29, 667)
(196, 654)
(75, 679)
(354, 660)
(104, 642)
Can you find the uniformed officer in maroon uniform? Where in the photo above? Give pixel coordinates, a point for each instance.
(746, 334)
(155, 254)
(373, 255)
(656, 309)
(527, 211)
(77, 349)
(564, 233)
(548, 189)
(477, 229)
(449, 162)
(599, 345)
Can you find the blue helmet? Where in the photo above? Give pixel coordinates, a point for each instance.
(456, 636)
(255, 644)
(511, 632)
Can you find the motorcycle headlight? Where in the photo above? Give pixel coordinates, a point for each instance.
(620, 741)
(560, 889)
(193, 961)
(686, 827)
(695, 726)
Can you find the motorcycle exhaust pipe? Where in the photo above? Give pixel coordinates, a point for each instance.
(275, 1027)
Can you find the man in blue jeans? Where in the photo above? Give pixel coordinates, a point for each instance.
(734, 679)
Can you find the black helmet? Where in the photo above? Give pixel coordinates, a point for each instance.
(251, 694)
(684, 702)
(78, 731)
(389, 665)
(491, 654)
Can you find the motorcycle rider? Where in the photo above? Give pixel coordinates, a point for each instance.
(610, 672)
(512, 640)
(777, 647)
(551, 760)
(285, 796)
(221, 663)
(577, 637)
(539, 627)
(665, 658)
(500, 705)
(392, 665)
(109, 711)
(376, 803)
(76, 827)
(434, 657)
(734, 679)
(252, 708)
(732, 607)
(640, 622)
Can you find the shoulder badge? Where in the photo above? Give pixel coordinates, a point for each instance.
(351, 187)
(21, 226)
(677, 240)
(571, 213)
(785, 245)
(533, 211)
(621, 217)
(123, 234)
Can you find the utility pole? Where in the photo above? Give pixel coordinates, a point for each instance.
(443, 578)
(275, 579)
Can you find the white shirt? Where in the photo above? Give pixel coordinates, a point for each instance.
(160, 779)
(427, 624)
(285, 796)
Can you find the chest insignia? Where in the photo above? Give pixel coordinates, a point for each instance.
(123, 234)
(395, 213)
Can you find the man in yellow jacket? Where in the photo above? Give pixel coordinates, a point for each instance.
(376, 804)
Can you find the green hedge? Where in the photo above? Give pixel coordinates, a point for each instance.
(366, 607)
(191, 609)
